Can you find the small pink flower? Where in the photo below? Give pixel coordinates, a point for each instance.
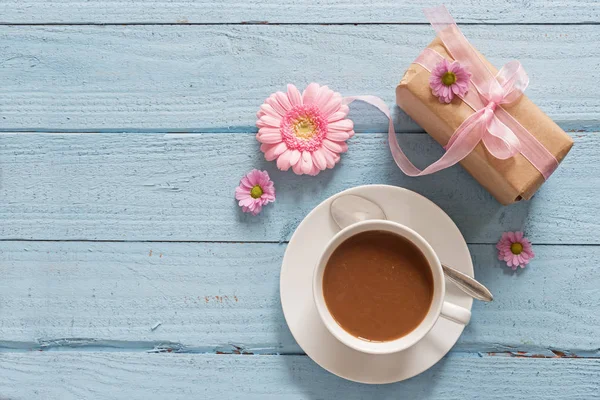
(305, 132)
(449, 79)
(255, 191)
(515, 250)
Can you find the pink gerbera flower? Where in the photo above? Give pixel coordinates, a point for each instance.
(305, 132)
(449, 79)
(515, 250)
(255, 191)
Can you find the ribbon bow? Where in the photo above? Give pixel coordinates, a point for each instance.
(501, 134)
(508, 85)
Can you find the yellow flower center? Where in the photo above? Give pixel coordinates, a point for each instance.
(448, 78)
(304, 128)
(516, 248)
(256, 192)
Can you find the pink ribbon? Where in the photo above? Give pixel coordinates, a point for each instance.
(502, 135)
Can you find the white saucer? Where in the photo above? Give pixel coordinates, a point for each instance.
(400, 205)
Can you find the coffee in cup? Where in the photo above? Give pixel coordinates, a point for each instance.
(378, 286)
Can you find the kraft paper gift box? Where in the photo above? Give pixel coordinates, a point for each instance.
(508, 180)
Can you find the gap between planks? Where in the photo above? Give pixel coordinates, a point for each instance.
(581, 126)
(239, 242)
(126, 23)
(98, 345)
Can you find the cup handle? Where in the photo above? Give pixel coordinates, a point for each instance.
(455, 313)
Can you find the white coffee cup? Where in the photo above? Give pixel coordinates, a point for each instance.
(438, 307)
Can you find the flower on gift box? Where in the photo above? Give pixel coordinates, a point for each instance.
(515, 250)
(305, 132)
(449, 79)
(255, 191)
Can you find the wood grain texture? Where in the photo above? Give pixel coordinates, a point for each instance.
(214, 78)
(293, 11)
(134, 376)
(224, 297)
(180, 188)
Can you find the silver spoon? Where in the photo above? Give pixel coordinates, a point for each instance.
(349, 209)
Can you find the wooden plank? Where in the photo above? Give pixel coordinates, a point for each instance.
(224, 297)
(293, 11)
(177, 376)
(214, 78)
(180, 187)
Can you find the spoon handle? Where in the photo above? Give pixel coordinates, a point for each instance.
(468, 284)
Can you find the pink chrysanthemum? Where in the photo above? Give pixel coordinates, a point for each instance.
(449, 79)
(255, 191)
(515, 250)
(305, 132)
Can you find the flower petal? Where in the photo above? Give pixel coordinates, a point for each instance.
(275, 151)
(332, 105)
(293, 95)
(297, 168)
(295, 157)
(268, 121)
(242, 193)
(435, 79)
(515, 259)
(270, 111)
(307, 163)
(329, 157)
(270, 138)
(265, 148)
(268, 196)
(283, 161)
(246, 202)
(519, 236)
(529, 253)
(337, 135)
(268, 130)
(319, 159)
(314, 171)
(246, 183)
(272, 101)
(310, 93)
(284, 101)
(256, 210)
(325, 94)
(264, 180)
(454, 67)
(343, 125)
(336, 147)
(255, 176)
(339, 114)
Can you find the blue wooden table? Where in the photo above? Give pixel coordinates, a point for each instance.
(126, 268)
